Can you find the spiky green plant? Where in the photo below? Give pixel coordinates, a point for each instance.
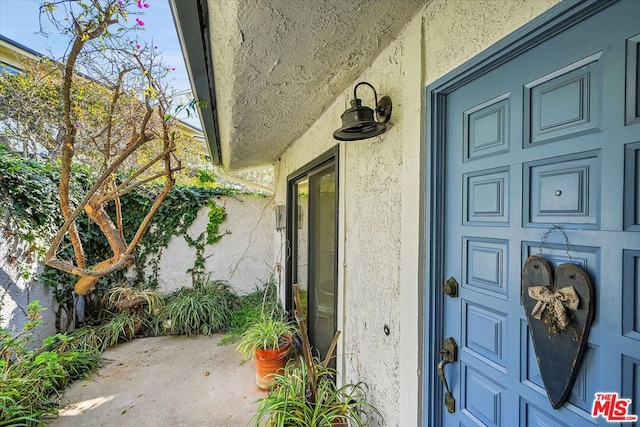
(250, 308)
(290, 402)
(32, 378)
(119, 327)
(87, 337)
(203, 309)
(16, 415)
(131, 299)
(268, 332)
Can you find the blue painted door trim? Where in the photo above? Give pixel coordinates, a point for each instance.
(554, 21)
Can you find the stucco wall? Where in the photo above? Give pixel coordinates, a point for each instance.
(457, 30)
(243, 257)
(381, 187)
(17, 289)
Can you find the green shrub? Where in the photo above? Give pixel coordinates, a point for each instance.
(119, 327)
(204, 309)
(14, 414)
(250, 309)
(265, 333)
(32, 379)
(291, 403)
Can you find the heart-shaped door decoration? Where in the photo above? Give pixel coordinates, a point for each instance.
(559, 313)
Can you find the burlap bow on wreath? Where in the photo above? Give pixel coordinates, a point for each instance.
(556, 302)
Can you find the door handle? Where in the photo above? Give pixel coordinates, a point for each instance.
(449, 353)
(450, 287)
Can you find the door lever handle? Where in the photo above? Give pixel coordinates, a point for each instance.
(449, 353)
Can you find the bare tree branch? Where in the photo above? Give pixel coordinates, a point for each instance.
(125, 125)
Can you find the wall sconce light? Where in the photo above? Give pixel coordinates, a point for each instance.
(358, 121)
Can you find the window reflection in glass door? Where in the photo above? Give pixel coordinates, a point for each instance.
(313, 231)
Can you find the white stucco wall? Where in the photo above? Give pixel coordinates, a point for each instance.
(243, 257)
(18, 267)
(381, 191)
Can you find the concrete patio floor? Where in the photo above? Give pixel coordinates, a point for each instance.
(165, 381)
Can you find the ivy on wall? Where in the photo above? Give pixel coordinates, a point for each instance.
(29, 207)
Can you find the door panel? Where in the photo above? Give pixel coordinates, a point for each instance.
(322, 256)
(544, 139)
(312, 229)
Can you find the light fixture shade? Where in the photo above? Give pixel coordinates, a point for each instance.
(358, 122)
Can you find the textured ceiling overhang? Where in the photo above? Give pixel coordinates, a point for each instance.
(268, 69)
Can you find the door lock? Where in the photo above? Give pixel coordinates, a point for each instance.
(449, 353)
(451, 287)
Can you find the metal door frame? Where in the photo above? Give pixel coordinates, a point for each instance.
(552, 22)
(328, 157)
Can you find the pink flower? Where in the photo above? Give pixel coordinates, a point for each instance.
(146, 6)
(139, 4)
(77, 125)
(120, 3)
(137, 46)
(140, 22)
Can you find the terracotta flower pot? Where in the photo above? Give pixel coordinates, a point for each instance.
(128, 334)
(270, 362)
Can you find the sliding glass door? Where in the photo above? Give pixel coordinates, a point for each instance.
(312, 233)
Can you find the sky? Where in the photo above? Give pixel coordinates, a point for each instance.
(19, 21)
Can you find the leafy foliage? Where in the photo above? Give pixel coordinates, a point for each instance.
(118, 327)
(28, 190)
(265, 333)
(31, 117)
(203, 309)
(28, 201)
(31, 379)
(134, 300)
(31, 111)
(263, 322)
(251, 308)
(307, 395)
(291, 404)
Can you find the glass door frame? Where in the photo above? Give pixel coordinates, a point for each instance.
(327, 159)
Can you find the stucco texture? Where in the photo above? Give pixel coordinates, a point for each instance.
(455, 31)
(243, 257)
(381, 192)
(266, 53)
(370, 221)
(18, 268)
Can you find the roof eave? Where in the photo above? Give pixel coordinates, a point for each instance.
(192, 26)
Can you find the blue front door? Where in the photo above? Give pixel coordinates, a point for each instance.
(549, 137)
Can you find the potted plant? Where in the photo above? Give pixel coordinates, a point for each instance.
(293, 403)
(306, 393)
(267, 341)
